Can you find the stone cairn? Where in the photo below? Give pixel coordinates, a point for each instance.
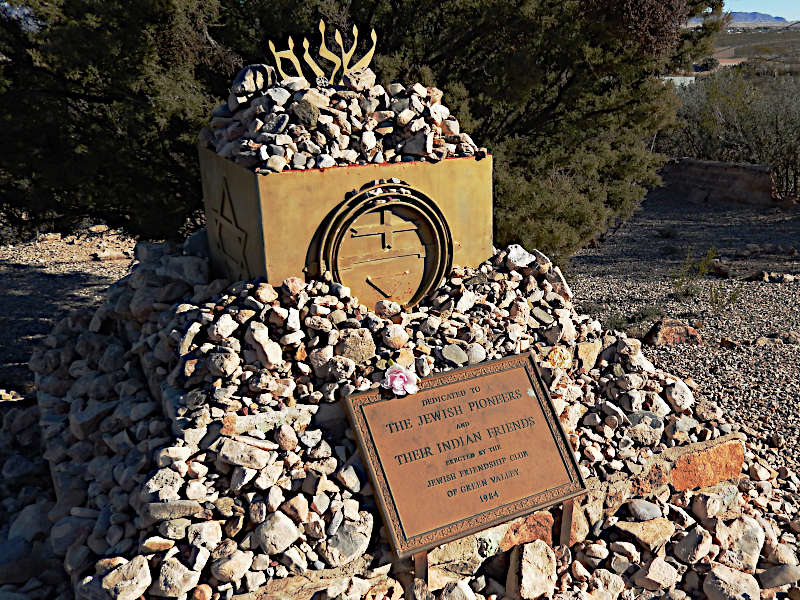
(271, 126)
(199, 449)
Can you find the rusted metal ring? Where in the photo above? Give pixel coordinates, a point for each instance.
(388, 194)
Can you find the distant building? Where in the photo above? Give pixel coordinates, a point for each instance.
(731, 62)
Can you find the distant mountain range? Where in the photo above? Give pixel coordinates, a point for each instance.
(747, 18)
(755, 17)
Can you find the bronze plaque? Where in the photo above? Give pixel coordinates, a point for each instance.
(475, 447)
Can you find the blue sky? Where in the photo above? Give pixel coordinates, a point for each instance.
(789, 9)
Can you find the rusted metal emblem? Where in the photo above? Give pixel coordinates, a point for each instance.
(475, 447)
(388, 240)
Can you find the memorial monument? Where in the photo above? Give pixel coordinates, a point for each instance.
(414, 199)
(387, 230)
(196, 427)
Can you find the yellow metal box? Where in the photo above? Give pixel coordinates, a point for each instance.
(389, 230)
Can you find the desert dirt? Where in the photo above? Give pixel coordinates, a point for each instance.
(628, 281)
(41, 281)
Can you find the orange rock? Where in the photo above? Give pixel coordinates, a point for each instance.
(538, 526)
(229, 424)
(705, 468)
(672, 331)
(202, 592)
(580, 527)
(649, 481)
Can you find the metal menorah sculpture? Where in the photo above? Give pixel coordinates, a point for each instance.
(342, 61)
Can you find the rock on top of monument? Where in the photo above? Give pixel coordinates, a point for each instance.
(271, 126)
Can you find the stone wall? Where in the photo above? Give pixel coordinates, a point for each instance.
(704, 180)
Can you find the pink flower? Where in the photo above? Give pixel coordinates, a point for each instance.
(400, 380)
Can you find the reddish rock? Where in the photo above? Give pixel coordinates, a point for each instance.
(729, 344)
(649, 481)
(708, 467)
(202, 592)
(296, 508)
(671, 331)
(538, 526)
(579, 529)
(228, 424)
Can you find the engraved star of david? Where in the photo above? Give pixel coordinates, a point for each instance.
(231, 238)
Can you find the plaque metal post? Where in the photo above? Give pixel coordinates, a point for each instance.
(566, 522)
(417, 589)
(421, 566)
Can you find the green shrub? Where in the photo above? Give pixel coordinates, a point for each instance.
(736, 116)
(721, 299)
(686, 277)
(616, 321)
(637, 324)
(646, 314)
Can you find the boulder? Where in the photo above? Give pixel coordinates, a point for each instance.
(724, 583)
(276, 533)
(532, 571)
(128, 581)
(671, 331)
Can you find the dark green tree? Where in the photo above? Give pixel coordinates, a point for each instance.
(564, 93)
(99, 107)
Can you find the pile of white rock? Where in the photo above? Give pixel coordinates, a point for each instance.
(272, 126)
(198, 446)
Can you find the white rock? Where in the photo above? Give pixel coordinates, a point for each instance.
(128, 581)
(532, 571)
(657, 575)
(679, 396)
(724, 583)
(395, 336)
(232, 567)
(276, 533)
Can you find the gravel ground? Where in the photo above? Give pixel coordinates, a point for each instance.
(42, 280)
(626, 280)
